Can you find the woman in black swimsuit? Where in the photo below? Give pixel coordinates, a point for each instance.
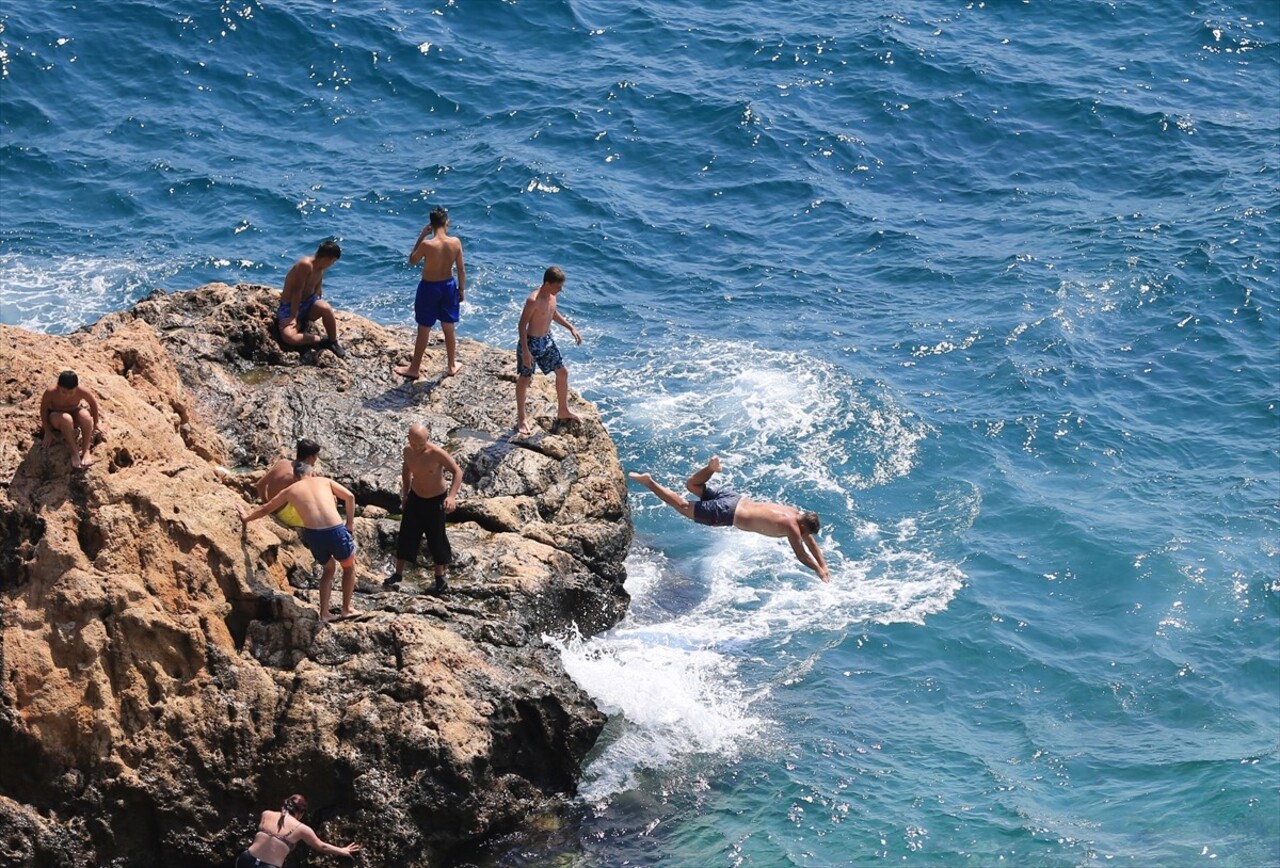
(279, 832)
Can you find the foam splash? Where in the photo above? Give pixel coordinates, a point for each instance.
(60, 294)
(792, 420)
(677, 687)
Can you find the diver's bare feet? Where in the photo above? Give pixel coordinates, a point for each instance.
(86, 458)
(714, 463)
(407, 371)
(453, 370)
(642, 478)
(568, 416)
(76, 463)
(523, 429)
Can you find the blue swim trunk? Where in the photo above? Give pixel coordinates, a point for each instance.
(330, 542)
(716, 507)
(304, 308)
(436, 300)
(546, 355)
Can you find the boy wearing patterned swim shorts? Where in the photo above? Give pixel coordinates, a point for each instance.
(536, 344)
(439, 295)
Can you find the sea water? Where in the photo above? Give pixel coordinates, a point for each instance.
(989, 285)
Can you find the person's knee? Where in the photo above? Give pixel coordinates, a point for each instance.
(320, 309)
(61, 422)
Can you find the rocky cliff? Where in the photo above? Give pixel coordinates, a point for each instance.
(163, 675)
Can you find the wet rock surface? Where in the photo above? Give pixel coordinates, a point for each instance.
(163, 674)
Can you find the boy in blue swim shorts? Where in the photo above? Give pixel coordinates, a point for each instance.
(440, 294)
(537, 345)
(301, 303)
(328, 537)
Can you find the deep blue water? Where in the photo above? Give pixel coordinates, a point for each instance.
(991, 286)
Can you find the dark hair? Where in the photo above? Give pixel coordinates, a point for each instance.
(329, 250)
(809, 522)
(68, 380)
(295, 806)
(554, 274)
(301, 469)
(307, 448)
(439, 217)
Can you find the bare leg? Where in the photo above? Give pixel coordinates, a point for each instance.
(697, 483)
(522, 390)
(348, 588)
(326, 588)
(322, 310)
(562, 395)
(666, 495)
(62, 422)
(413, 370)
(450, 347)
(84, 422)
(292, 337)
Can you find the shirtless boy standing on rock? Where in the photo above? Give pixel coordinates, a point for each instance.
(536, 344)
(314, 499)
(724, 507)
(424, 501)
(439, 294)
(62, 410)
(300, 302)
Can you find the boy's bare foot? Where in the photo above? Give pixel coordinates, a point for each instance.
(524, 430)
(407, 372)
(453, 370)
(568, 416)
(76, 463)
(86, 459)
(714, 463)
(642, 478)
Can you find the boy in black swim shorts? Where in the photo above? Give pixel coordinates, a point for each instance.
(424, 501)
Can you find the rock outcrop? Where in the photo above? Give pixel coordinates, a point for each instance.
(163, 674)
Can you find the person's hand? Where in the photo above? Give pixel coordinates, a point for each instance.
(527, 358)
(824, 574)
(450, 504)
(576, 337)
(462, 295)
(243, 515)
(351, 524)
(349, 849)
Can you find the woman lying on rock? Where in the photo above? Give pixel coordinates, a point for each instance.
(280, 831)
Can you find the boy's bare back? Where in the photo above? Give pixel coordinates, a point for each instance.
(438, 253)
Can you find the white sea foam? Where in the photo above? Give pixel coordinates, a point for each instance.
(788, 419)
(61, 294)
(674, 685)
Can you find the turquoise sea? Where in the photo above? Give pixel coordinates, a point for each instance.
(992, 286)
